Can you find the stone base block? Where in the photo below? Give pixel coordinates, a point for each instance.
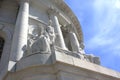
(59, 66)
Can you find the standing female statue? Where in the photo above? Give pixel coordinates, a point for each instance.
(51, 33)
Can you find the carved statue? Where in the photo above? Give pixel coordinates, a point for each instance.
(42, 44)
(41, 38)
(33, 35)
(51, 33)
(93, 59)
(81, 51)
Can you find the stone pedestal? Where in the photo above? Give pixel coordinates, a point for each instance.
(59, 66)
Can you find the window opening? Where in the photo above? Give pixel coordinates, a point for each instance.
(1, 46)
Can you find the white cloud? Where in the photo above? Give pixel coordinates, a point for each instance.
(117, 4)
(106, 23)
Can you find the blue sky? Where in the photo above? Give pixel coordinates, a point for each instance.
(100, 21)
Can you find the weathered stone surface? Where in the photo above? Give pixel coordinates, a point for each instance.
(61, 69)
(35, 49)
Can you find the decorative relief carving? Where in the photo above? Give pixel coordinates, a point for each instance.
(33, 33)
(51, 33)
(93, 59)
(40, 38)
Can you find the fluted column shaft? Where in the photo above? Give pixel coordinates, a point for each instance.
(20, 32)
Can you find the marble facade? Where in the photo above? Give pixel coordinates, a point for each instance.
(44, 41)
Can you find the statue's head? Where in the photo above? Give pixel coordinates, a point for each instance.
(49, 29)
(50, 22)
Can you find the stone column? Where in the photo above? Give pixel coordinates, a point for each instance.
(59, 36)
(74, 42)
(19, 43)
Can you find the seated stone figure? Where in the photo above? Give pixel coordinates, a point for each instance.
(33, 34)
(46, 38)
(42, 44)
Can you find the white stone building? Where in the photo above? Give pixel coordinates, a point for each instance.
(42, 40)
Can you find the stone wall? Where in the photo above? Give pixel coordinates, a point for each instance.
(43, 41)
(59, 66)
